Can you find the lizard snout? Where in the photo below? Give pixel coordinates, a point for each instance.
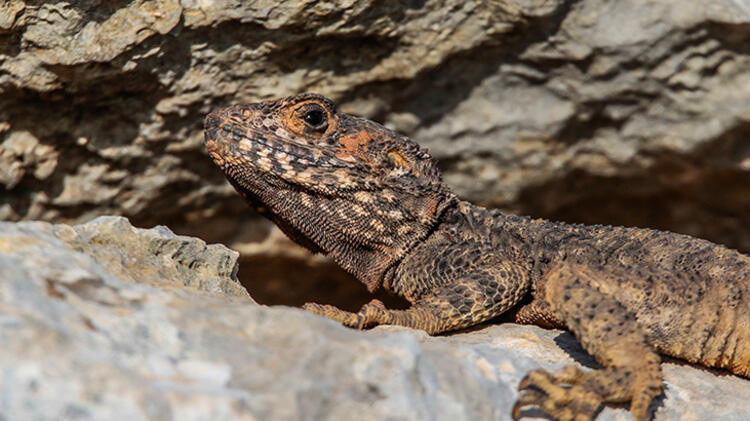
(211, 125)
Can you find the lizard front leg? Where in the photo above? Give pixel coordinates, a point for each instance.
(374, 313)
(607, 331)
(446, 309)
(454, 295)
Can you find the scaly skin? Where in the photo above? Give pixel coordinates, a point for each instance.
(374, 201)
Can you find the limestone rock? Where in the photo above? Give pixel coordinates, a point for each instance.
(106, 321)
(629, 112)
(110, 249)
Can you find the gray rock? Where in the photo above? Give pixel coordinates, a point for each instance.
(106, 321)
(628, 112)
(631, 112)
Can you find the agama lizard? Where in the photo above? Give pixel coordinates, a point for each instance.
(374, 200)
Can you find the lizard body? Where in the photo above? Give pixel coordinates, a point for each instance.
(374, 201)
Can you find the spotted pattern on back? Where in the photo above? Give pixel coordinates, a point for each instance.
(375, 202)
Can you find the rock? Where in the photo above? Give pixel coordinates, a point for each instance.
(109, 250)
(630, 113)
(634, 113)
(107, 321)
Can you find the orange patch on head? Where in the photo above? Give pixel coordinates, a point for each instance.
(354, 145)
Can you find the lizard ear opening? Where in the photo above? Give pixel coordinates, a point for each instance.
(398, 159)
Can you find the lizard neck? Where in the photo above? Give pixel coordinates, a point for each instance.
(369, 255)
(463, 226)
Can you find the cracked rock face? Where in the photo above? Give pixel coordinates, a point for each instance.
(106, 321)
(628, 112)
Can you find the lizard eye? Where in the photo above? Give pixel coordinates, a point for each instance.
(315, 117)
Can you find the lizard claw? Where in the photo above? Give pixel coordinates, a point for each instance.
(528, 398)
(312, 307)
(558, 395)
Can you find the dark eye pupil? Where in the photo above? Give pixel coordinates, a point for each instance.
(314, 118)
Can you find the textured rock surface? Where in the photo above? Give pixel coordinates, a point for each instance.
(96, 324)
(628, 112)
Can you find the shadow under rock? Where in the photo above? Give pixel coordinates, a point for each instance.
(701, 193)
(293, 282)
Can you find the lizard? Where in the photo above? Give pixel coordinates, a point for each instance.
(374, 201)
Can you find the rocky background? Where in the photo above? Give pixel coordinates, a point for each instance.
(628, 112)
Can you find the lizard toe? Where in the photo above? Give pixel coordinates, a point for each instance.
(528, 397)
(326, 310)
(558, 395)
(360, 321)
(376, 303)
(370, 314)
(313, 308)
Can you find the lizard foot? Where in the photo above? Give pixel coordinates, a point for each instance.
(369, 315)
(570, 394)
(561, 395)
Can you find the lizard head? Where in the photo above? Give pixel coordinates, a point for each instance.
(333, 182)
